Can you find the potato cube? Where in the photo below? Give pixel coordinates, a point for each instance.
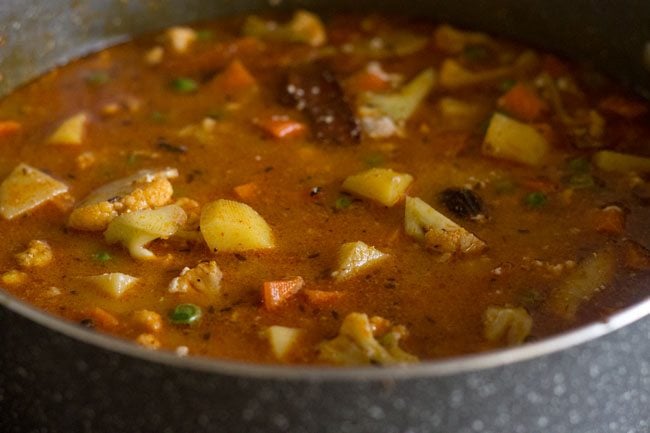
(282, 339)
(514, 141)
(71, 131)
(380, 184)
(231, 226)
(25, 189)
(113, 284)
(622, 162)
(356, 257)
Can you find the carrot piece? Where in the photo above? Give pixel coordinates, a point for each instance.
(247, 191)
(636, 257)
(610, 220)
(623, 106)
(323, 297)
(9, 127)
(367, 81)
(235, 77)
(276, 293)
(554, 66)
(281, 127)
(102, 318)
(539, 184)
(523, 102)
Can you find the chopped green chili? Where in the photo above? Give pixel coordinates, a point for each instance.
(343, 202)
(97, 78)
(132, 158)
(158, 117)
(507, 84)
(184, 85)
(579, 165)
(102, 256)
(504, 186)
(581, 180)
(185, 314)
(535, 200)
(374, 159)
(476, 53)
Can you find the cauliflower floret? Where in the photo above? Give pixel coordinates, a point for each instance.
(146, 189)
(438, 232)
(205, 278)
(510, 324)
(357, 343)
(37, 254)
(136, 229)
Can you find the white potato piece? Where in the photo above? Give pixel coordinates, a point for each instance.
(380, 184)
(231, 226)
(134, 230)
(510, 324)
(585, 280)
(145, 189)
(622, 162)
(282, 339)
(512, 140)
(355, 258)
(25, 189)
(113, 284)
(71, 131)
(438, 232)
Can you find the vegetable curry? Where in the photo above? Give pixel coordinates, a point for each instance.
(336, 190)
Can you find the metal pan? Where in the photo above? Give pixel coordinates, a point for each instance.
(58, 377)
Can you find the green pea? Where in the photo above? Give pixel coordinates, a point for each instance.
(185, 314)
(581, 180)
(579, 165)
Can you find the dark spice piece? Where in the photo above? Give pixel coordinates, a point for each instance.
(463, 202)
(315, 91)
(171, 147)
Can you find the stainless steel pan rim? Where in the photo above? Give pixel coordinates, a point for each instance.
(444, 367)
